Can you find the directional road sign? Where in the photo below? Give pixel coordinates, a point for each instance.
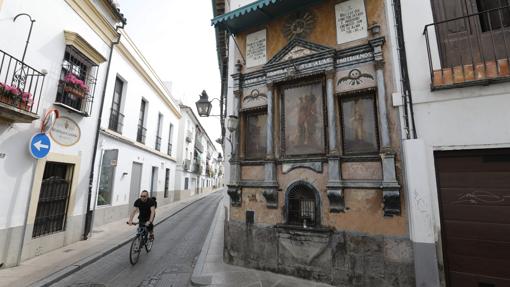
(40, 145)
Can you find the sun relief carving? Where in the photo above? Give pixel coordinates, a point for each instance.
(299, 25)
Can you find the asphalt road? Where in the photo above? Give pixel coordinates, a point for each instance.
(170, 263)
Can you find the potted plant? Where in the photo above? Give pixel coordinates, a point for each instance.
(10, 94)
(75, 86)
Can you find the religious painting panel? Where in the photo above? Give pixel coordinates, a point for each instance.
(255, 137)
(303, 120)
(359, 124)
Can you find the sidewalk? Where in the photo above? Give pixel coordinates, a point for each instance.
(211, 271)
(48, 268)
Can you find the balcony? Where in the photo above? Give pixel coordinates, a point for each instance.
(116, 122)
(20, 90)
(199, 146)
(469, 50)
(141, 133)
(189, 136)
(187, 164)
(157, 145)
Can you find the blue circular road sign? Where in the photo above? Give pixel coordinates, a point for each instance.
(40, 145)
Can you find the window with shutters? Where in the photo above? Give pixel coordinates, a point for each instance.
(473, 41)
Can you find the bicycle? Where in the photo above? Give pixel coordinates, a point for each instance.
(141, 240)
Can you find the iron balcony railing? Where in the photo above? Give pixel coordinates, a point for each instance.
(20, 84)
(157, 145)
(116, 121)
(141, 133)
(471, 49)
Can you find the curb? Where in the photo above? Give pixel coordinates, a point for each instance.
(197, 279)
(66, 271)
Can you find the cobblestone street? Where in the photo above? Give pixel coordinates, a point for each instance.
(170, 262)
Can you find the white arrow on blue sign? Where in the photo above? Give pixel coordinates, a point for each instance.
(40, 145)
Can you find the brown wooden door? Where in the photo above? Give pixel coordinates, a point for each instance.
(474, 199)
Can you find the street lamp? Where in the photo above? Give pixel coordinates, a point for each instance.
(232, 123)
(203, 105)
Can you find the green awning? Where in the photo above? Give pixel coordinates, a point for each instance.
(257, 13)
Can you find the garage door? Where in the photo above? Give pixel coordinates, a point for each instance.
(474, 195)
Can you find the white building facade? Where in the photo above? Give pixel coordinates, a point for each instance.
(457, 156)
(138, 136)
(118, 130)
(44, 201)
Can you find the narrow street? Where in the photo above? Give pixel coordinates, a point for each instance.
(170, 262)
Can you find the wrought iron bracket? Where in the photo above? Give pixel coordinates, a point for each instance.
(235, 195)
(271, 196)
(336, 200)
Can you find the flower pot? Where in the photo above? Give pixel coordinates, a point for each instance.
(74, 91)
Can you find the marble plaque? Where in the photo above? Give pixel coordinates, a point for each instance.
(356, 77)
(256, 49)
(351, 21)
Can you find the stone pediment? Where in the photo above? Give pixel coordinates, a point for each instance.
(297, 48)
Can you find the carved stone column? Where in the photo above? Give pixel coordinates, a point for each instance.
(391, 188)
(234, 190)
(270, 192)
(334, 187)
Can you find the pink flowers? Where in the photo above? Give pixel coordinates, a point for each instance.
(71, 79)
(15, 95)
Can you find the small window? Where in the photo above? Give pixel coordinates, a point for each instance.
(142, 131)
(157, 145)
(359, 124)
(77, 82)
(170, 136)
(302, 208)
(167, 182)
(116, 117)
(107, 177)
(186, 183)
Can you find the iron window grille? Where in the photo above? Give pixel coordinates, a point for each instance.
(116, 121)
(169, 150)
(158, 143)
(141, 134)
(77, 82)
(53, 199)
(302, 208)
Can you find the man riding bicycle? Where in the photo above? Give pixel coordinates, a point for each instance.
(147, 208)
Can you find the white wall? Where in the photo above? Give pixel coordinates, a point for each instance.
(45, 51)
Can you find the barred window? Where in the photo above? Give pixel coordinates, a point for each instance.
(77, 82)
(302, 208)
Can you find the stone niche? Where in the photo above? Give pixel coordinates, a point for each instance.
(340, 258)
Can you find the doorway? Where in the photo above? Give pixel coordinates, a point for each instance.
(136, 180)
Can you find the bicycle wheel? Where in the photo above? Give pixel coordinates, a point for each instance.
(148, 245)
(134, 252)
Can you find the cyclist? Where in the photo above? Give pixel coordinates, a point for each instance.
(147, 209)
